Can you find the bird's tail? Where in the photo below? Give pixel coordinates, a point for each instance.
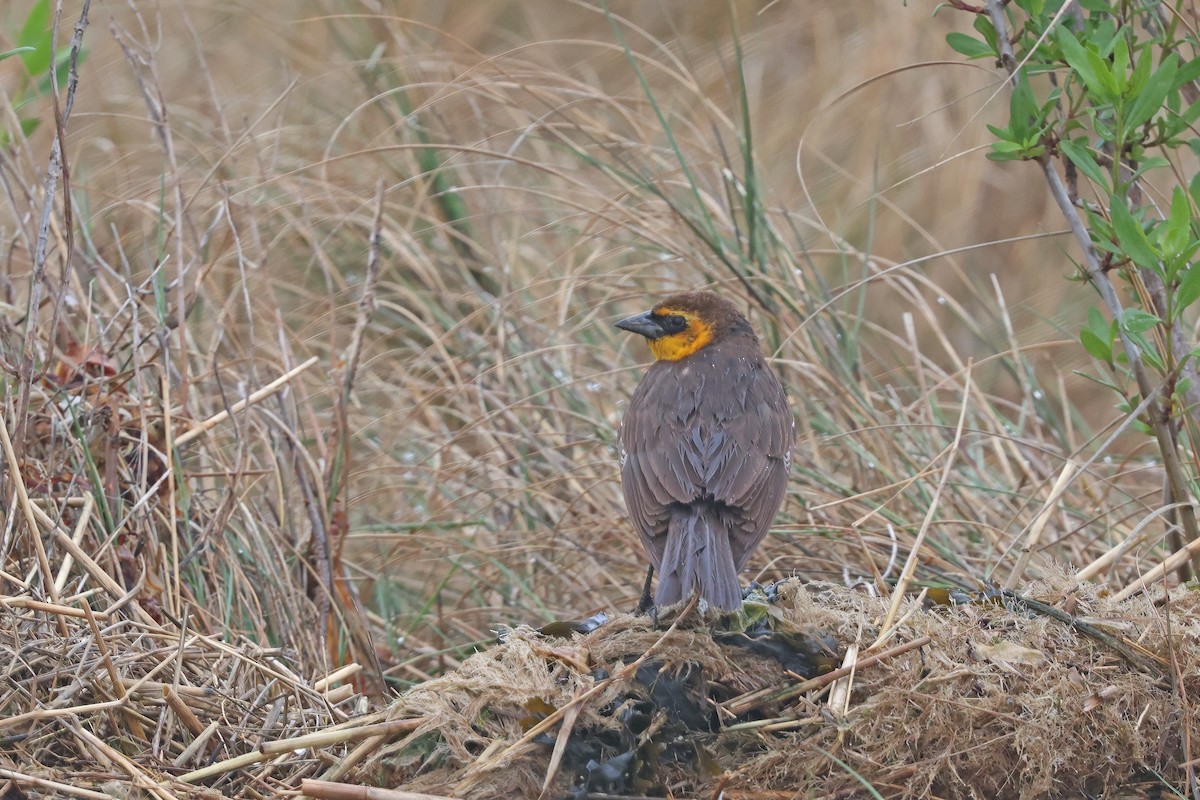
(698, 557)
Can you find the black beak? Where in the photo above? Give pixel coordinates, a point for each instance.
(646, 324)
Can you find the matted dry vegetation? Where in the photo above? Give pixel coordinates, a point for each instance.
(327, 391)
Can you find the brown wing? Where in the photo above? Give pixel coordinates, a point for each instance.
(756, 431)
(712, 427)
(651, 431)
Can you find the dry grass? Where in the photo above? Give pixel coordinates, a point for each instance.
(447, 464)
(996, 703)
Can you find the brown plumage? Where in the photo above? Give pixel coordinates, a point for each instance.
(705, 447)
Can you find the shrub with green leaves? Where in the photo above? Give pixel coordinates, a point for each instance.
(1105, 99)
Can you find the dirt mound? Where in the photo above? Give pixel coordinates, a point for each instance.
(1000, 700)
(995, 698)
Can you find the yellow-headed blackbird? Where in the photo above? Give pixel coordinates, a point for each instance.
(706, 447)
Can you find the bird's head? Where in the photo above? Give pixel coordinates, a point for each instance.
(686, 323)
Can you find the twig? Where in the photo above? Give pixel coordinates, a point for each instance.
(190, 752)
(560, 746)
(88, 563)
(352, 759)
(51, 713)
(61, 113)
(9, 603)
(1061, 486)
(1173, 562)
(327, 790)
(1120, 548)
(838, 699)
(216, 419)
(1143, 663)
(140, 63)
(366, 301)
(329, 553)
(1154, 413)
(322, 739)
(784, 723)
(175, 595)
(30, 513)
(139, 778)
(114, 677)
(31, 780)
(742, 704)
(85, 518)
(56, 167)
(914, 553)
(1065, 477)
(342, 674)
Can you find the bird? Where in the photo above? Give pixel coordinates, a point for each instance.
(705, 447)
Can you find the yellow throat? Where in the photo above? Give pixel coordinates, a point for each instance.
(696, 335)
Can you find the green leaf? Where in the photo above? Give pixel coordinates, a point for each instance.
(1002, 133)
(1132, 237)
(1102, 30)
(1088, 65)
(36, 34)
(1175, 123)
(1148, 353)
(1192, 113)
(1175, 236)
(1188, 291)
(969, 46)
(1147, 102)
(999, 156)
(1096, 347)
(1143, 349)
(16, 51)
(987, 31)
(1135, 320)
(1128, 407)
(1097, 322)
(1008, 147)
(1098, 336)
(1141, 74)
(1024, 114)
(1189, 72)
(1081, 156)
(1100, 381)
(1147, 164)
(1120, 64)
(1104, 130)
(1009, 151)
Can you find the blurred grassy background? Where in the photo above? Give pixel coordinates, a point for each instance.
(547, 168)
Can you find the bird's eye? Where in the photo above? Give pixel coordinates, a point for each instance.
(676, 323)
